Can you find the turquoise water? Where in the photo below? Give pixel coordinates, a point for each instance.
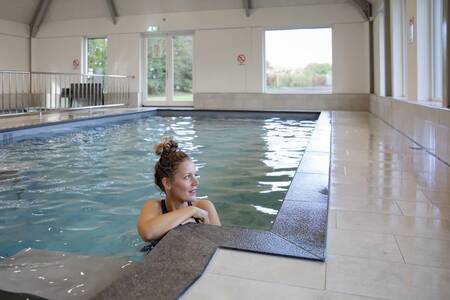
(82, 192)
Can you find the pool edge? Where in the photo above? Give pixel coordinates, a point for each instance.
(288, 241)
(240, 239)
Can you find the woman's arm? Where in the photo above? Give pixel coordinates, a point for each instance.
(152, 225)
(211, 209)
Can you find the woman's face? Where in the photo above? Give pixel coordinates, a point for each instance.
(183, 185)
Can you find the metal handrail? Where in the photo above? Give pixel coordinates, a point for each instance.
(14, 71)
(25, 92)
(72, 74)
(88, 74)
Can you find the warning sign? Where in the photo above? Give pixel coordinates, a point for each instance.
(156, 51)
(241, 58)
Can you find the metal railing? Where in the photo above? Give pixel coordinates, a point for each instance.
(27, 92)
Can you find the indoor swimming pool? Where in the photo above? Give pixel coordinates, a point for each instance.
(81, 191)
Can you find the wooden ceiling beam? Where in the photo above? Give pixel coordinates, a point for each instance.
(365, 8)
(39, 16)
(247, 7)
(112, 10)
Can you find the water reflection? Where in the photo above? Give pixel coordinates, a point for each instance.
(82, 192)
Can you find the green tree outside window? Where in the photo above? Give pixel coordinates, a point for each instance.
(97, 55)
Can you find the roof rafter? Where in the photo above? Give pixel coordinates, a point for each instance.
(39, 16)
(247, 7)
(112, 10)
(365, 8)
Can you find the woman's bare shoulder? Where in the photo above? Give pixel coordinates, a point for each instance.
(154, 201)
(152, 205)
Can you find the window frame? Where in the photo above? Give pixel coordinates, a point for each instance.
(85, 68)
(264, 51)
(170, 88)
(437, 51)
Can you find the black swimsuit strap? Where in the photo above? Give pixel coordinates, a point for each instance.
(165, 211)
(197, 220)
(163, 206)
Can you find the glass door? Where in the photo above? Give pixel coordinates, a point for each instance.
(156, 70)
(182, 68)
(169, 70)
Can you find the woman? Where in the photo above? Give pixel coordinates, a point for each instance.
(175, 175)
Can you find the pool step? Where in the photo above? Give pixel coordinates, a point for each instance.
(57, 275)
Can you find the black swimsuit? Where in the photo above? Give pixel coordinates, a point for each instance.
(147, 248)
(165, 210)
(164, 207)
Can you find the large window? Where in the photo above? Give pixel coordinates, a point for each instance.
(96, 55)
(438, 61)
(298, 61)
(398, 27)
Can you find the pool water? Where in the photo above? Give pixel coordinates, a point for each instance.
(83, 191)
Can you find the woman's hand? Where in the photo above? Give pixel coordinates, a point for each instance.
(153, 225)
(190, 220)
(201, 215)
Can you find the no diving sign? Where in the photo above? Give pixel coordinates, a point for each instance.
(241, 58)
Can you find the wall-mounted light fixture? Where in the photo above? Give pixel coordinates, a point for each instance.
(411, 30)
(152, 28)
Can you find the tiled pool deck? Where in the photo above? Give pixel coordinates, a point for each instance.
(31, 120)
(388, 230)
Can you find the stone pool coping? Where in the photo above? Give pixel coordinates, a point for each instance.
(181, 256)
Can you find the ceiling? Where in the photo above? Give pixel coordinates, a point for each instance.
(22, 11)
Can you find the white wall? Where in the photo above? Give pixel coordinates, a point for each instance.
(282, 102)
(14, 46)
(293, 17)
(351, 58)
(218, 37)
(124, 58)
(56, 54)
(123, 54)
(216, 66)
(428, 126)
(217, 50)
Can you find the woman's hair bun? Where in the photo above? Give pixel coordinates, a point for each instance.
(166, 146)
(170, 159)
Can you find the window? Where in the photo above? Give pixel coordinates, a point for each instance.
(437, 48)
(298, 60)
(399, 71)
(404, 50)
(379, 24)
(156, 68)
(169, 70)
(182, 67)
(96, 55)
